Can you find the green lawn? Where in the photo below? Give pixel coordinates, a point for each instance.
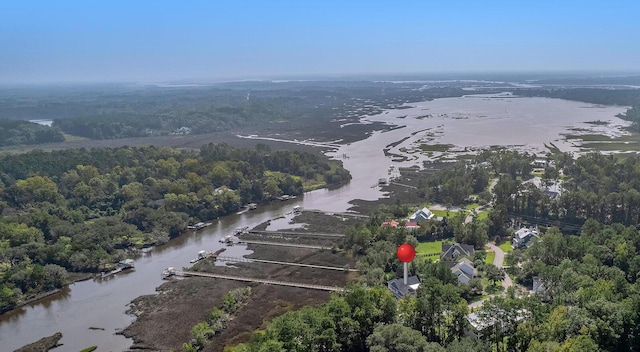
(440, 213)
(430, 248)
(483, 215)
(490, 257)
(506, 247)
(471, 206)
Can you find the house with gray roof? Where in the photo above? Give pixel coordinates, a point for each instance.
(400, 290)
(421, 214)
(452, 251)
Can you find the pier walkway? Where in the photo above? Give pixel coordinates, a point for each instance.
(251, 260)
(262, 281)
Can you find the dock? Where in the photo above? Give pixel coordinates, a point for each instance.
(284, 244)
(173, 272)
(293, 233)
(204, 255)
(251, 260)
(122, 266)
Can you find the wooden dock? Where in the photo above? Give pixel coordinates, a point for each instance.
(292, 233)
(251, 260)
(262, 281)
(284, 244)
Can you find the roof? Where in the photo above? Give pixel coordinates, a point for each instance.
(391, 223)
(449, 250)
(411, 225)
(421, 214)
(464, 270)
(398, 288)
(525, 232)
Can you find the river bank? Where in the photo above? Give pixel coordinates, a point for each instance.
(164, 320)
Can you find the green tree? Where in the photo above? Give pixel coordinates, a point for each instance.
(399, 338)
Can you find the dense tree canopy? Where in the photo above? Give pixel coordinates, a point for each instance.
(84, 210)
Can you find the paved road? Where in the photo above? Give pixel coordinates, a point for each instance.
(498, 261)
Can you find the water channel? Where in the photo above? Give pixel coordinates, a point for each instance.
(102, 304)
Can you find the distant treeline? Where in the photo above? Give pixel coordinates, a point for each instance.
(14, 132)
(152, 111)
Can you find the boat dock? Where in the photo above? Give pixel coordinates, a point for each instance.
(283, 244)
(122, 265)
(171, 272)
(223, 258)
(204, 255)
(293, 233)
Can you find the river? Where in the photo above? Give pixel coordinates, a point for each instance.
(468, 121)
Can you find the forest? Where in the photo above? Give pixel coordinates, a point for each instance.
(111, 112)
(81, 210)
(13, 132)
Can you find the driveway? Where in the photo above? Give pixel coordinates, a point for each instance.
(499, 262)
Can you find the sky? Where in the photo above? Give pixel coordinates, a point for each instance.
(182, 40)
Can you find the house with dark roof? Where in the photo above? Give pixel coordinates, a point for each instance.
(400, 290)
(452, 251)
(524, 237)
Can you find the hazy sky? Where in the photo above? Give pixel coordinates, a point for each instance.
(46, 41)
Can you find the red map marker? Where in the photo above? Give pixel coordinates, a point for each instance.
(406, 253)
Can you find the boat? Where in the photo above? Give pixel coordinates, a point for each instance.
(198, 226)
(240, 230)
(226, 239)
(285, 197)
(201, 255)
(252, 206)
(297, 210)
(168, 272)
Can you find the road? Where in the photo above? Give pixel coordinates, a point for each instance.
(498, 261)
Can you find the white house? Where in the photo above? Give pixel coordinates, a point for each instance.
(422, 214)
(524, 237)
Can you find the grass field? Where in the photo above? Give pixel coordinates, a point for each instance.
(490, 257)
(430, 248)
(440, 213)
(506, 247)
